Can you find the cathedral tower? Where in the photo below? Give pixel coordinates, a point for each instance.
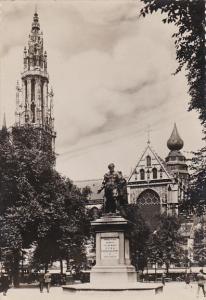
(34, 101)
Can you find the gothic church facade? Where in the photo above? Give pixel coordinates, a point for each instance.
(158, 185)
(155, 185)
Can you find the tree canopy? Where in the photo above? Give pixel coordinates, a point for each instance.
(38, 207)
(189, 18)
(138, 235)
(166, 242)
(197, 187)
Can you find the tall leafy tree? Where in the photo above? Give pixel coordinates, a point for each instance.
(38, 207)
(166, 243)
(63, 229)
(189, 38)
(197, 188)
(155, 250)
(11, 240)
(199, 245)
(138, 235)
(195, 198)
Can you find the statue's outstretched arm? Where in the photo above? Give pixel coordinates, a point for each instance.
(99, 190)
(102, 187)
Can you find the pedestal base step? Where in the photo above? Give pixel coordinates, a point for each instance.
(135, 287)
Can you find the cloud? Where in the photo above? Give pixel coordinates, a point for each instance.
(12, 15)
(106, 91)
(111, 75)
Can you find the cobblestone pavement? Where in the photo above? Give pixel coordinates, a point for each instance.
(172, 291)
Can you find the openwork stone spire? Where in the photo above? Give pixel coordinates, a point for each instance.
(35, 57)
(35, 24)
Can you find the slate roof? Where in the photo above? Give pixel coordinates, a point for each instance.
(95, 185)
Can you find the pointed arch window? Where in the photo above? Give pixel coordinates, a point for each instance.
(148, 174)
(154, 173)
(42, 100)
(135, 174)
(25, 90)
(33, 89)
(148, 160)
(148, 197)
(142, 174)
(33, 111)
(161, 173)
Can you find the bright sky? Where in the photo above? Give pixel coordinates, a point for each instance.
(111, 75)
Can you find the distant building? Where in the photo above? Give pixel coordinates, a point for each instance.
(95, 200)
(155, 185)
(158, 185)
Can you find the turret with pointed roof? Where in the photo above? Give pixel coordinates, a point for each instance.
(175, 142)
(176, 161)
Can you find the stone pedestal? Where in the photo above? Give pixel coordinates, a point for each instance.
(113, 270)
(113, 265)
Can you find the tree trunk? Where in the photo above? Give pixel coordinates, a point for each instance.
(22, 267)
(46, 267)
(61, 266)
(167, 268)
(68, 264)
(155, 271)
(15, 268)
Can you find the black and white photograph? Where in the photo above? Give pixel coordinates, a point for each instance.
(102, 149)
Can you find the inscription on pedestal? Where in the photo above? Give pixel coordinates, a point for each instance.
(109, 248)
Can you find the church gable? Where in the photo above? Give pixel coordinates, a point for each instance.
(149, 168)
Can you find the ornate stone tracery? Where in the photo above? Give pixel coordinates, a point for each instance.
(148, 197)
(34, 102)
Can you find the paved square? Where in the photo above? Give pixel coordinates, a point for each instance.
(172, 291)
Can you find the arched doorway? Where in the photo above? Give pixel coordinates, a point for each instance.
(149, 205)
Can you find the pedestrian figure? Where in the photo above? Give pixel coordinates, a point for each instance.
(4, 283)
(163, 278)
(41, 282)
(187, 279)
(73, 272)
(201, 282)
(47, 280)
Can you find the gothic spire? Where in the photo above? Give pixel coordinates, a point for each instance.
(35, 24)
(33, 105)
(175, 142)
(148, 135)
(4, 122)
